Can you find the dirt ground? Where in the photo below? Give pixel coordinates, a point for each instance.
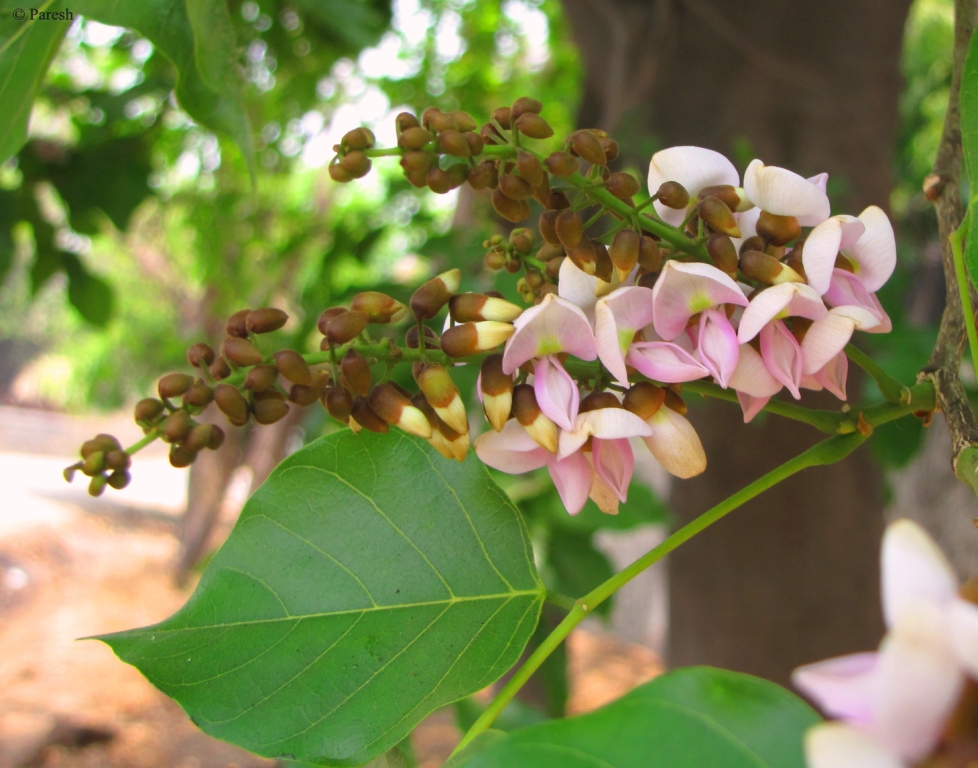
(71, 567)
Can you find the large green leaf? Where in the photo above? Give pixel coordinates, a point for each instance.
(26, 50)
(367, 583)
(969, 142)
(691, 718)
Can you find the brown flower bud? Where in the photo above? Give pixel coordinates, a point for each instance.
(237, 324)
(513, 265)
(648, 279)
(266, 320)
(358, 138)
(435, 120)
(347, 326)
(718, 216)
(586, 145)
(562, 164)
(511, 210)
(598, 400)
(496, 259)
(413, 139)
(101, 442)
(431, 340)
(457, 174)
(778, 230)
(392, 406)
(583, 255)
(610, 147)
(649, 255)
(177, 426)
(180, 458)
(339, 403)
(478, 177)
(241, 351)
(524, 105)
(438, 180)
(198, 395)
(515, 188)
(464, 121)
(503, 116)
(766, 269)
(417, 161)
(439, 389)
(270, 406)
(753, 243)
(603, 266)
(622, 185)
(553, 267)
(147, 411)
(522, 240)
(430, 297)
(528, 413)
(549, 252)
(454, 143)
(198, 438)
(293, 367)
(94, 464)
(406, 120)
(557, 201)
(174, 384)
(794, 260)
(569, 228)
(534, 126)
(673, 195)
(217, 438)
(232, 404)
(497, 391)
(200, 355)
(338, 174)
(380, 307)
(547, 226)
(365, 417)
(437, 440)
(260, 378)
(534, 278)
(933, 186)
(356, 372)
(644, 399)
(724, 253)
(725, 193)
(624, 251)
(473, 307)
(356, 163)
(117, 459)
(674, 402)
(777, 251)
(323, 322)
(220, 369)
(304, 395)
(529, 168)
(470, 338)
(119, 479)
(97, 485)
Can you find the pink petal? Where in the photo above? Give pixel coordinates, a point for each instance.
(614, 463)
(785, 193)
(826, 339)
(823, 245)
(554, 325)
(833, 375)
(682, 290)
(572, 478)
(718, 348)
(874, 254)
(886, 325)
(836, 745)
(820, 180)
(963, 625)
(606, 423)
(616, 319)
(578, 287)
(557, 393)
(914, 570)
(847, 290)
(675, 444)
(665, 361)
(784, 300)
(751, 406)
(752, 377)
(782, 355)
(842, 687)
(512, 450)
(694, 168)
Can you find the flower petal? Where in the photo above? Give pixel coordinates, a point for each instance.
(785, 193)
(833, 375)
(751, 376)
(914, 570)
(511, 450)
(616, 319)
(874, 254)
(682, 290)
(578, 287)
(842, 687)
(694, 168)
(836, 745)
(554, 325)
(782, 355)
(784, 300)
(572, 478)
(847, 290)
(823, 245)
(751, 406)
(557, 393)
(717, 346)
(614, 463)
(827, 338)
(963, 625)
(675, 444)
(665, 361)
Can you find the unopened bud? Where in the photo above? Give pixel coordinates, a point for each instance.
(119, 479)
(328, 314)
(549, 252)
(413, 139)
(405, 120)
(473, 307)
(435, 120)
(586, 145)
(513, 265)
(496, 259)
(97, 485)
(293, 367)
(338, 174)
(237, 324)
(427, 301)
(117, 459)
(217, 438)
(346, 327)
(453, 142)
(339, 403)
(417, 161)
(723, 252)
(610, 147)
(547, 226)
(557, 201)
(529, 168)
(569, 227)
(241, 351)
(437, 439)
(527, 412)
(304, 395)
(624, 251)
(174, 384)
(515, 188)
(933, 186)
(356, 372)
(649, 255)
(718, 216)
(198, 395)
(767, 269)
(674, 402)
(731, 196)
(364, 416)
(358, 138)
(147, 411)
(584, 255)
(478, 177)
(497, 391)
(220, 369)
(553, 267)
(464, 121)
(200, 355)
(260, 378)
(524, 105)
(603, 267)
(266, 320)
(232, 404)
(94, 464)
(778, 230)
(644, 399)
(441, 392)
(431, 340)
(396, 409)
(795, 262)
(754, 243)
(270, 406)
(533, 126)
(177, 426)
(622, 185)
(673, 195)
(357, 164)
(469, 338)
(198, 438)
(510, 209)
(180, 458)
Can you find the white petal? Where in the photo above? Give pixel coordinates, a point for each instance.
(785, 193)
(914, 571)
(824, 340)
(578, 287)
(784, 300)
(682, 290)
(694, 168)
(874, 254)
(962, 621)
(823, 245)
(837, 745)
(842, 687)
(512, 450)
(675, 444)
(751, 376)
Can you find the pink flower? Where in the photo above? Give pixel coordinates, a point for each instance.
(675, 444)
(867, 242)
(694, 168)
(665, 361)
(554, 325)
(617, 318)
(557, 393)
(785, 193)
(716, 345)
(684, 290)
(753, 382)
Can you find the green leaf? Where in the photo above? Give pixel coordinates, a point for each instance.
(204, 85)
(367, 583)
(26, 51)
(89, 294)
(969, 140)
(690, 718)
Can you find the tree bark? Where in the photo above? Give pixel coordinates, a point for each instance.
(791, 577)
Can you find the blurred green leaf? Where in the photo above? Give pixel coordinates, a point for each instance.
(576, 565)
(89, 294)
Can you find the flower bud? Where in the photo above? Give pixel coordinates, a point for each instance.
(405, 120)
(200, 355)
(649, 255)
(293, 367)
(217, 438)
(478, 177)
(338, 174)
(328, 314)
(515, 188)
(624, 251)
(428, 300)
(497, 391)
(464, 121)
(511, 210)
(718, 216)
(610, 147)
(414, 139)
(177, 426)
(754, 243)
(524, 105)
(237, 324)
(533, 126)
(529, 168)
(674, 401)
(469, 338)
(622, 185)
(304, 395)
(117, 459)
(198, 438)
(396, 409)
(794, 260)
(553, 267)
(586, 145)
(174, 384)
(356, 372)
(673, 195)
(522, 240)
(260, 378)
(437, 439)
(476, 144)
(198, 395)
(270, 406)
(119, 479)
(100, 442)
(94, 464)
(339, 403)
(435, 120)
(454, 143)
(232, 404)
(431, 340)
(569, 227)
(644, 399)
(346, 327)
(417, 162)
(777, 251)
(495, 259)
(364, 416)
(778, 230)
(562, 164)
(97, 485)
(528, 413)
(147, 411)
(266, 320)
(180, 458)
(723, 252)
(547, 226)
(513, 265)
(584, 255)
(441, 392)
(603, 266)
(767, 269)
(549, 252)
(220, 369)
(728, 194)
(557, 201)
(241, 351)
(356, 163)
(358, 138)
(473, 307)
(503, 116)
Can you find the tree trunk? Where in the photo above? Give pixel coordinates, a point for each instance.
(793, 576)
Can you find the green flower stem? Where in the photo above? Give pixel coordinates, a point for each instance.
(826, 421)
(892, 390)
(956, 241)
(829, 451)
(149, 438)
(565, 602)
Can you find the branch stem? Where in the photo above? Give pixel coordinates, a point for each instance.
(892, 390)
(956, 241)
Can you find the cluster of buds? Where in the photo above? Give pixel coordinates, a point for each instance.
(103, 460)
